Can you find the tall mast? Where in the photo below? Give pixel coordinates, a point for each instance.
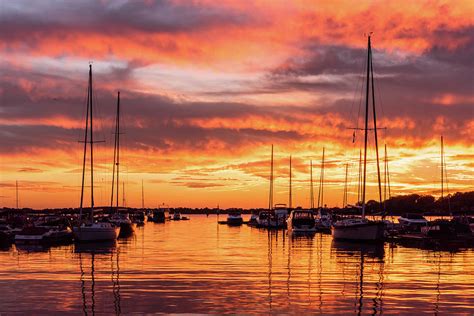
(375, 125)
(385, 180)
(359, 178)
(116, 154)
(16, 185)
(118, 149)
(270, 198)
(290, 197)
(344, 200)
(143, 197)
(85, 143)
(321, 183)
(311, 189)
(442, 171)
(388, 174)
(123, 193)
(366, 125)
(92, 144)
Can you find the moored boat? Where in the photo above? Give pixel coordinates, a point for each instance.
(234, 218)
(97, 231)
(360, 229)
(301, 222)
(157, 216)
(88, 229)
(122, 220)
(412, 222)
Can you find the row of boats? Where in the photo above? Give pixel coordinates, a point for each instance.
(64, 229)
(408, 227)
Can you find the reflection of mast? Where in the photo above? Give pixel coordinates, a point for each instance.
(116, 284)
(378, 300)
(320, 272)
(83, 286)
(361, 284)
(93, 282)
(438, 292)
(289, 271)
(270, 268)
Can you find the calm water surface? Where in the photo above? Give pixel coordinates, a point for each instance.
(198, 266)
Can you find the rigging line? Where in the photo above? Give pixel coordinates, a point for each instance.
(356, 90)
(375, 126)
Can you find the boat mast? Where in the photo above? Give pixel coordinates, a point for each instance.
(85, 144)
(143, 197)
(359, 182)
(291, 197)
(366, 126)
(375, 125)
(311, 189)
(321, 183)
(92, 146)
(116, 154)
(123, 194)
(270, 198)
(344, 200)
(444, 177)
(16, 185)
(442, 171)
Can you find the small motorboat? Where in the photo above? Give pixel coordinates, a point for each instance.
(138, 218)
(31, 234)
(122, 220)
(7, 234)
(262, 219)
(176, 216)
(157, 216)
(323, 221)
(58, 235)
(253, 219)
(412, 222)
(301, 222)
(234, 218)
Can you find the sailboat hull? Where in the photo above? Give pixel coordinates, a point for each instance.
(96, 233)
(371, 231)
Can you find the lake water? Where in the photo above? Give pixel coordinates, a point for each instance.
(198, 266)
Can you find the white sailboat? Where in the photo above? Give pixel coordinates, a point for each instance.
(362, 229)
(88, 229)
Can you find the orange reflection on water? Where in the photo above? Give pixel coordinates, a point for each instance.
(201, 267)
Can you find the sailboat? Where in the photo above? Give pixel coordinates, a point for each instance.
(360, 228)
(121, 217)
(88, 229)
(324, 218)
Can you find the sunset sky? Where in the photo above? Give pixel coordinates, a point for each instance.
(208, 86)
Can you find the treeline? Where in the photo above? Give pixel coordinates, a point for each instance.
(457, 203)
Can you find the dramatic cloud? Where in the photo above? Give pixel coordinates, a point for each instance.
(207, 87)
